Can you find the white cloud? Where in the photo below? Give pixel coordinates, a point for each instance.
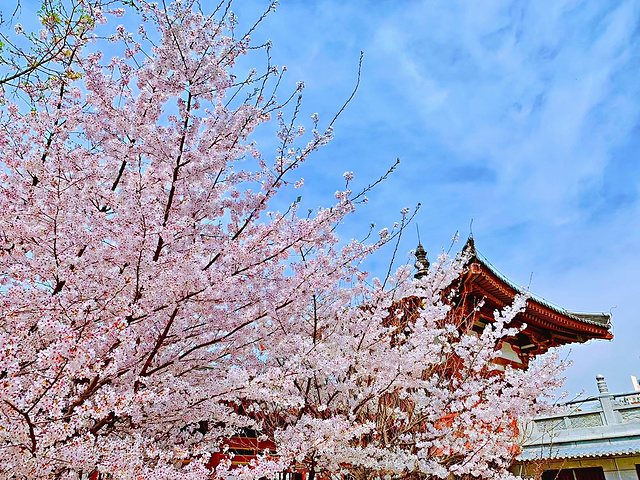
(517, 90)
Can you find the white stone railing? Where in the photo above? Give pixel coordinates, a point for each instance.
(585, 419)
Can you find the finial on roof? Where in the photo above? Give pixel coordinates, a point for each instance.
(470, 246)
(422, 262)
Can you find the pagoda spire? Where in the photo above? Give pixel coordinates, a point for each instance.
(422, 262)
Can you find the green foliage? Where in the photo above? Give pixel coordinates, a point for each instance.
(51, 14)
(38, 56)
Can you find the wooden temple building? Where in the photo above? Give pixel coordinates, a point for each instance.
(481, 290)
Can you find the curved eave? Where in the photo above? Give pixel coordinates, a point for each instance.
(485, 282)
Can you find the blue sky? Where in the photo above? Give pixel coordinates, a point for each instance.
(521, 116)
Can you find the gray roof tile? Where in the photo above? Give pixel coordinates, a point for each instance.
(601, 448)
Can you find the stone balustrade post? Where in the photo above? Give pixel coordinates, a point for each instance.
(606, 401)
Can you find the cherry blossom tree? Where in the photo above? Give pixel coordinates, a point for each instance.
(155, 303)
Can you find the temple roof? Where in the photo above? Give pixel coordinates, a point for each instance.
(598, 319)
(547, 324)
(587, 449)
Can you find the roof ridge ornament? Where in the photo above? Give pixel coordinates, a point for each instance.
(470, 246)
